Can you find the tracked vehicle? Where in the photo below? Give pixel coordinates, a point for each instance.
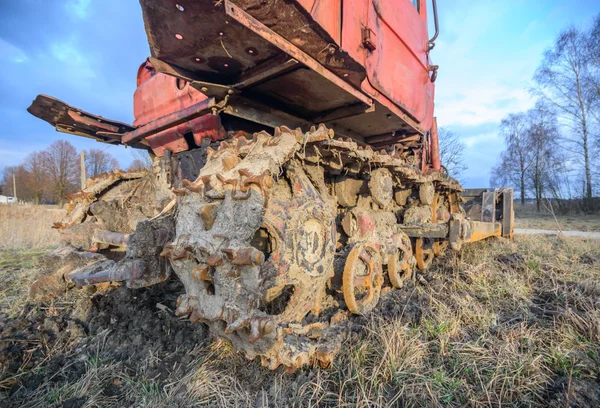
(296, 171)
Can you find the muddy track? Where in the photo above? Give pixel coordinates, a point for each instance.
(278, 240)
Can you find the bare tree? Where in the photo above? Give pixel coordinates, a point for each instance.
(563, 81)
(594, 57)
(141, 160)
(593, 50)
(7, 179)
(61, 164)
(451, 152)
(515, 160)
(542, 134)
(37, 179)
(98, 161)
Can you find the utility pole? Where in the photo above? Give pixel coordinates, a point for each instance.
(83, 176)
(15, 187)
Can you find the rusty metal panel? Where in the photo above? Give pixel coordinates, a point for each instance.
(68, 119)
(425, 230)
(271, 36)
(170, 120)
(398, 66)
(158, 95)
(243, 36)
(173, 139)
(310, 33)
(508, 212)
(296, 88)
(328, 14)
(354, 17)
(199, 37)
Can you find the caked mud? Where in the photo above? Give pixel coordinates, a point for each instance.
(134, 328)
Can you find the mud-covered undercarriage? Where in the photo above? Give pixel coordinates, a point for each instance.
(277, 238)
(278, 235)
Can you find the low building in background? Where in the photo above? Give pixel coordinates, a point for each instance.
(7, 199)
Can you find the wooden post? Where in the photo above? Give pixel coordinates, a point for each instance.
(15, 187)
(83, 175)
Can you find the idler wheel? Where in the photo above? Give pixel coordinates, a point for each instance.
(362, 279)
(424, 252)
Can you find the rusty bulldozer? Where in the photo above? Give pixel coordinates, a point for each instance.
(296, 171)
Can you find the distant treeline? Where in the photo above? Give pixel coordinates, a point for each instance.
(48, 176)
(552, 149)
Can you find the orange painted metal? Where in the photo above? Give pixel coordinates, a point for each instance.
(157, 95)
(204, 127)
(398, 68)
(171, 120)
(395, 60)
(483, 230)
(328, 14)
(366, 53)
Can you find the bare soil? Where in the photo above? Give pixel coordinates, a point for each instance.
(42, 348)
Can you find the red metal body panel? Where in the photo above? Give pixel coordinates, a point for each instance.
(398, 67)
(207, 126)
(360, 67)
(435, 147)
(328, 13)
(159, 95)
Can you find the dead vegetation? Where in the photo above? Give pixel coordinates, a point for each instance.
(528, 217)
(28, 226)
(503, 323)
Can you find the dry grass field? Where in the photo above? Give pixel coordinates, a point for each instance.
(503, 323)
(28, 226)
(528, 217)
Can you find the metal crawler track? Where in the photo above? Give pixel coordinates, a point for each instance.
(278, 240)
(113, 232)
(281, 237)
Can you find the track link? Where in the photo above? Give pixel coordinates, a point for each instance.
(113, 232)
(278, 241)
(281, 237)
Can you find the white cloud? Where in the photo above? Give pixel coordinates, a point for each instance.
(67, 53)
(481, 104)
(11, 53)
(78, 8)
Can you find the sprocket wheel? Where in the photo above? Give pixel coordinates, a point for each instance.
(362, 278)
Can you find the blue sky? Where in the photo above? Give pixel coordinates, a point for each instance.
(86, 52)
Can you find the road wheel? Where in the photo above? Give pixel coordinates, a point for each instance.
(362, 279)
(424, 252)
